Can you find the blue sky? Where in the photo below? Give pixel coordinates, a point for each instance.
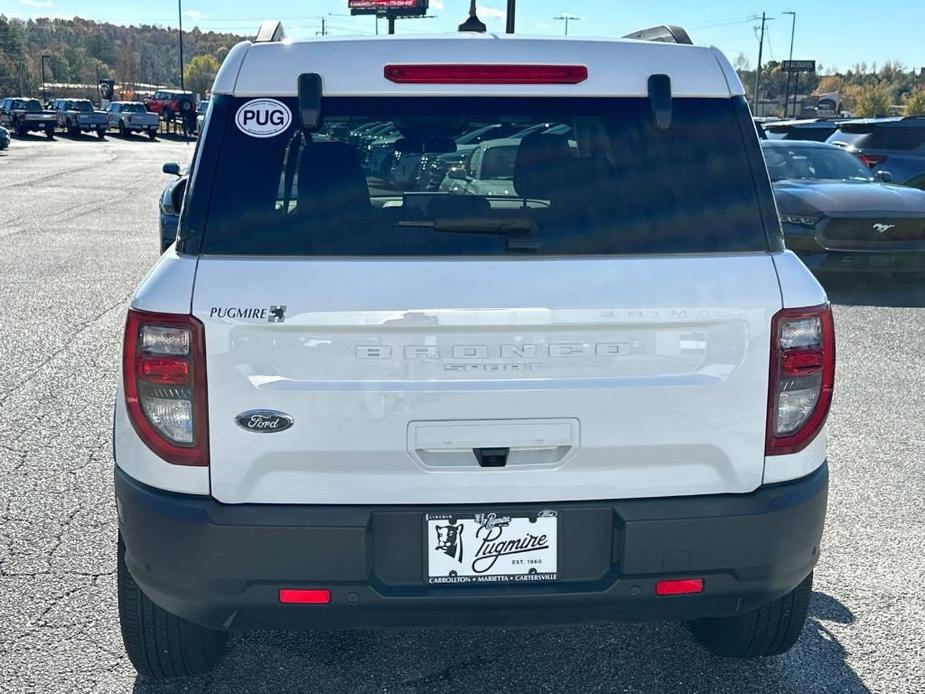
(835, 34)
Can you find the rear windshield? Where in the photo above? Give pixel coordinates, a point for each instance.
(901, 136)
(416, 176)
(133, 108)
(83, 106)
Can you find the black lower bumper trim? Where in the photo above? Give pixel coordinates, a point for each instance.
(223, 565)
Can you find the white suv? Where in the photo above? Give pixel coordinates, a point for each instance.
(599, 394)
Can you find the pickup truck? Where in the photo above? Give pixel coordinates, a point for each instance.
(23, 115)
(79, 115)
(132, 116)
(593, 390)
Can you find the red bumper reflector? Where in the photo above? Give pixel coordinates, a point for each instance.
(684, 586)
(165, 370)
(315, 596)
(486, 74)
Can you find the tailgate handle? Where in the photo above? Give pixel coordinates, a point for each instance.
(491, 457)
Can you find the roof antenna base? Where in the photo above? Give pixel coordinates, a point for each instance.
(473, 24)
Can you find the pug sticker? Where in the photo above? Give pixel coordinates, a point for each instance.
(263, 118)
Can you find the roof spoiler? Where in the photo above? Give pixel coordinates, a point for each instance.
(666, 33)
(270, 31)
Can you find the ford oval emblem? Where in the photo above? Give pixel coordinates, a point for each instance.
(264, 421)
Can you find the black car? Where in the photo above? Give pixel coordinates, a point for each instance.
(838, 215)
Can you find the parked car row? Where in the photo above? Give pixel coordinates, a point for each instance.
(893, 145)
(23, 115)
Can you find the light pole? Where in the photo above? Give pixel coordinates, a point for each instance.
(44, 94)
(511, 6)
(793, 31)
(567, 18)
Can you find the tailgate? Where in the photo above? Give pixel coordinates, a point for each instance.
(605, 378)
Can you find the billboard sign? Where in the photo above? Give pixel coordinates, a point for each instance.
(798, 65)
(395, 8)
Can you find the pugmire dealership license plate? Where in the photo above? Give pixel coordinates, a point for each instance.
(491, 547)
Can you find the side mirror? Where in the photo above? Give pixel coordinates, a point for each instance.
(884, 176)
(457, 174)
(176, 197)
(172, 168)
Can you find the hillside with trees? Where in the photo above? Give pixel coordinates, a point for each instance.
(78, 50)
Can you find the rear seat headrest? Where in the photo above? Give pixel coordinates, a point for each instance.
(539, 167)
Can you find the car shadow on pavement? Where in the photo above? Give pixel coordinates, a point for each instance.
(902, 291)
(659, 658)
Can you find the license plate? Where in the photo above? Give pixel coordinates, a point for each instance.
(491, 547)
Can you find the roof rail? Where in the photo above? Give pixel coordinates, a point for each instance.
(270, 31)
(666, 33)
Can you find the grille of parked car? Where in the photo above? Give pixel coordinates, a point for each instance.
(877, 229)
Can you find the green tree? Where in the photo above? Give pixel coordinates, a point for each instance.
(872, 101)
(200, 73)
(915, 103)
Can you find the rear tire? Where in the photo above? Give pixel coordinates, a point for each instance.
(159, 644)
(100, 133)
(769, 630)
(50, 133)
(123, 131)
(152, 134)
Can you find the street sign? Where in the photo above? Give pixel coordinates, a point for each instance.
(798, 65)
(395, 8)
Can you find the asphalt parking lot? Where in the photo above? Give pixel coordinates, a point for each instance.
(78, 227)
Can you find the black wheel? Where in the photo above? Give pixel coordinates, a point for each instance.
(100, 133)
(769, 630)
(152, 133)
(159, 644)
(20, 131)
(168, 115)
(123, 131)
(50, 132)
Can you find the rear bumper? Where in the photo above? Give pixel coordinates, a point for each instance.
(223, 565)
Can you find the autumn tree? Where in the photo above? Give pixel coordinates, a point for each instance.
(914, 103)
(872, 101)
(200, 73)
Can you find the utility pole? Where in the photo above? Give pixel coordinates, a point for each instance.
(566, 17)
(793, 31)
(44, 94)
(180, 14)
(764, 20)
(510, 16)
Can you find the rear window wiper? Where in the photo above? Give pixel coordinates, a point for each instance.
(476, 225)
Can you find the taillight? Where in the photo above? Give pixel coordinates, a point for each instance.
(486, 74)
(802, 377)
(164, 377)
(870, 160)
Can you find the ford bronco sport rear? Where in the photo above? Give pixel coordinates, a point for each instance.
(593, 389)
